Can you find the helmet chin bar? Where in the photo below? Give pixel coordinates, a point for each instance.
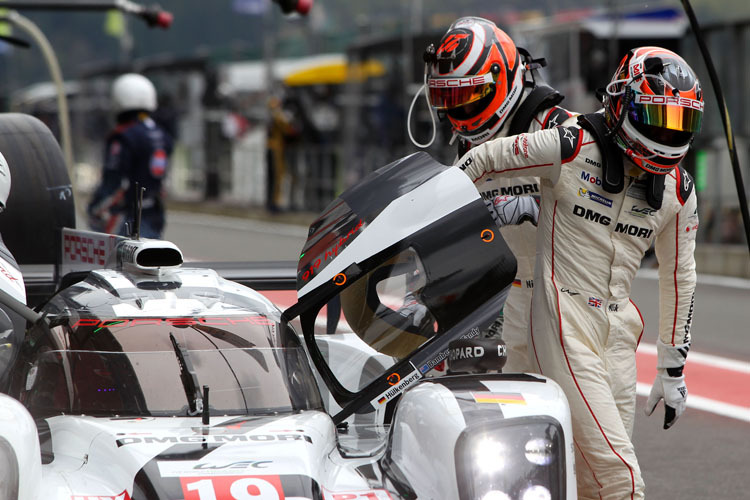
(631, 137)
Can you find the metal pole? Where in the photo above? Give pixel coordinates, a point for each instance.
(726, 122)
(56, 74)
(406, 63)
(153, 15)
(61, 5)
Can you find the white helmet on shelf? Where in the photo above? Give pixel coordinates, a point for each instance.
(132, 91)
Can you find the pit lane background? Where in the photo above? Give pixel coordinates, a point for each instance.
(705, 455)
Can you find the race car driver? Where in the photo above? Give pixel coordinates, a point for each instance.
(487, 88)
(610, 186)
(137, 153)
(11, 279)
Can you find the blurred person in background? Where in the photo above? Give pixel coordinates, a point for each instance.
(137, 153)
(326, 121)
(280, 130)
(487, 88)
(610, 187)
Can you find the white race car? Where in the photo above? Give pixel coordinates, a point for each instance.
(143, 378)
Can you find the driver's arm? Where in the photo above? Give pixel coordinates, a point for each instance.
(675, 246)
(538, 154)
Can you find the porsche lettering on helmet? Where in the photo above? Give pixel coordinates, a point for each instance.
(654, 106)
(475, 77)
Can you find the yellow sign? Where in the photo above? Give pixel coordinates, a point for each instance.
(114, 23)
(6, 29)
(335, 73)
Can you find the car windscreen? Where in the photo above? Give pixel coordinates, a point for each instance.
(241, 381)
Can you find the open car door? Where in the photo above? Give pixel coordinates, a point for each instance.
(408, 260)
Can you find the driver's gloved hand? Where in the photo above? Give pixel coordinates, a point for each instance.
(669, 384)
(513, 210)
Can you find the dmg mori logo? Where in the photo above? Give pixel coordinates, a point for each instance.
(588, 214)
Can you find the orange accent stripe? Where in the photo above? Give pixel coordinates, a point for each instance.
(492, 397)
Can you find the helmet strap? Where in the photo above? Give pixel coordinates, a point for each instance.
(532, 66)
(626, 99)
(655, 190)
(613, 171)
(453, 138)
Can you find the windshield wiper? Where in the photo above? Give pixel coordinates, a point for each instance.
(189, 378)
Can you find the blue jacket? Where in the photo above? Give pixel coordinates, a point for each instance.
(137, 152)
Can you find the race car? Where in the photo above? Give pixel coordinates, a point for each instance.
(139, 376)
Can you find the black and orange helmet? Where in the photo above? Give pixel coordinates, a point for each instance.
(654, 107)
(475, 77)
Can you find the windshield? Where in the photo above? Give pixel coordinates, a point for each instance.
(241, 381)
(129, 366)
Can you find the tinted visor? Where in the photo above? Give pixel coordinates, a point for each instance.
(671, 123)
(452, 92)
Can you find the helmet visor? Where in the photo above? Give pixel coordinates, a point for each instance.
(667, 120)
(453, 92)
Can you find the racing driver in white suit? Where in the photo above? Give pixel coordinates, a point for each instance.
(11, 279)
(487, 88)
(610, 186)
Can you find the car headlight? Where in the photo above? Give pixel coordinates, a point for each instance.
(536, 493)
(513, 459)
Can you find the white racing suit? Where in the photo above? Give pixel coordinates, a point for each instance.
(584, 327)
(522, 241)
(11, 279)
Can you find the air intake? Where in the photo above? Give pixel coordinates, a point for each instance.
(148, 256)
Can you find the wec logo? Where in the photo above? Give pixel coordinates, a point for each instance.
(641, 212)
(245, 464)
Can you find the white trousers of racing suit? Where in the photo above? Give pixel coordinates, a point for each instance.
(521, 240)
(584, 328)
